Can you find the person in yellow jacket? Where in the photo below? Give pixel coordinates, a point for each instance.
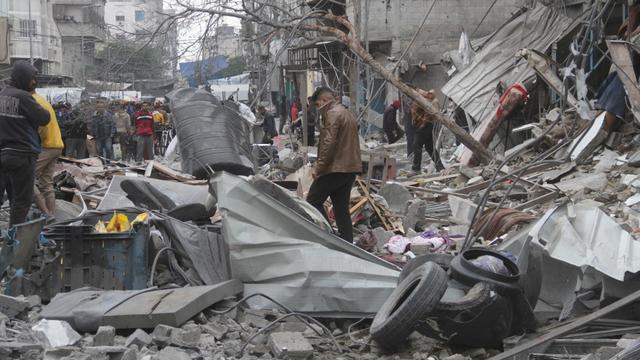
(52, 146)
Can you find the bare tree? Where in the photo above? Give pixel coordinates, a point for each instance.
(311, 23)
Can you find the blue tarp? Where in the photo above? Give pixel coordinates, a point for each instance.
(206, 68)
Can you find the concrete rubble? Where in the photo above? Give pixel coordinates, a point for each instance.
(534, 255)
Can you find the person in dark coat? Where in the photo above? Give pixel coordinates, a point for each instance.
(20, 118)
(268, 125)
(389, 123)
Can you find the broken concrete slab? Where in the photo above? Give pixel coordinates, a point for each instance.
(173, 353)
(139, 338)
(162, 333)
(12, 306)
(171, 307)
(55, 333)
(414, 215)
(216, 329)
(396, 196)
(189, 335)
(594, 182)
(290, 345)
(105, 336)
(87, 309)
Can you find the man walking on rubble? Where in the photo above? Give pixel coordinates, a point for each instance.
(20, 117)
(268, 125)
(143, 119)
(76, 128)
(389, 123)
(423, 137)
(52, 145)
(103, 129)
(338, 162)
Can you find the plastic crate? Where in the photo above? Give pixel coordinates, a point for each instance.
(113, 261)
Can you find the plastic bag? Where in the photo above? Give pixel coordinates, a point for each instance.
(491, 263)
(119, 223)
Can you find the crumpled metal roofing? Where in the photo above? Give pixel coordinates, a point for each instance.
(473, 88)
(587, 236)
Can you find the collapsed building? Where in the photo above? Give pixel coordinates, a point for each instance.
(211, 252)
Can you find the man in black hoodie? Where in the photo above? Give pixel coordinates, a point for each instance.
(20, 117)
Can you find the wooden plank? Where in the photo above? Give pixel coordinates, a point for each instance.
(373, 204)
(358, 205)
(539, 200)
(556, 333)
(622, 60)
(427, 190)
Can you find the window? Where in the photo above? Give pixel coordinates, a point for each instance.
(27, 28)
(119, 18)
(139, 15)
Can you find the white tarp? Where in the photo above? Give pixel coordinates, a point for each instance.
(126, 95)
(279, 253)
(240, 92)
(56, 95)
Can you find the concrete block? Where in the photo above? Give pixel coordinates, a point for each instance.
(12, 306)
(173, 353)
(139, 338)
(396, 196)
(216, 329)
(162, 333)
(256, 318)
(189, 335)
(290, 345)
(105, 336)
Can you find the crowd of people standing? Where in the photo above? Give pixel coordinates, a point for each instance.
(35, 134)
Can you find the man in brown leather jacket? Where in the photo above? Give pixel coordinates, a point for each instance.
(338, 160)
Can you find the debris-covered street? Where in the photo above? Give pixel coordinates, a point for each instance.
(323, 179)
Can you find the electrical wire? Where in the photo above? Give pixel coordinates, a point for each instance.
(302, 317)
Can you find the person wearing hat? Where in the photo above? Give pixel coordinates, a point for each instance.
(143, 119)
(389, 123)
(423, 125)
(339, 160)
(20, 118)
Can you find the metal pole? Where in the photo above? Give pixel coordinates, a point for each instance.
(30, 36)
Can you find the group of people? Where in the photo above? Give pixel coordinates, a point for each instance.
(418, 128)
(92, 128)
(35, 134)
(293, 116)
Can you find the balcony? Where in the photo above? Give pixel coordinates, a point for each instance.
(77, 2)
(88, 31)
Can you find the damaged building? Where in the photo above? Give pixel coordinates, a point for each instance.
(212, 252)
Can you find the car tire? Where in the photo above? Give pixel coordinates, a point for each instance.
(412, 300)
(464, 271)
(481, 318)
(444, 260)
(474, 300)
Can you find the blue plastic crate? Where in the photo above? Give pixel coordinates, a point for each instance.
(113, 261)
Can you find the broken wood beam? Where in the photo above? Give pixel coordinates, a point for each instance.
(556, 333)
(427, 190)
(351, 40)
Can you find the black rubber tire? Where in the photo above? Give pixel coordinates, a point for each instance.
(475, 299)
(464, 271)
(411, 301)
(482, 318)
(444, 260)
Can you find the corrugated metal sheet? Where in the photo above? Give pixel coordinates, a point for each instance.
(473, 89)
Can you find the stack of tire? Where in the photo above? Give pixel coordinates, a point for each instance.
(212, 135)
(451, 299)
